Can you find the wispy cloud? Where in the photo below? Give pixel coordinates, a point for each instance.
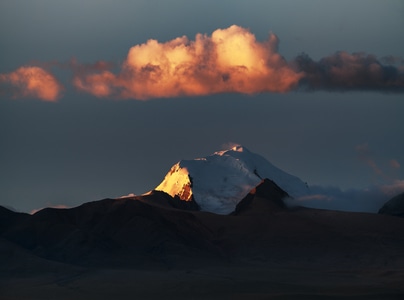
(394, 164)
(370, 199)
(365, 156)
(387, 172)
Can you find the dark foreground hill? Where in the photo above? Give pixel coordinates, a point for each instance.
(146, 248)
(394, 207)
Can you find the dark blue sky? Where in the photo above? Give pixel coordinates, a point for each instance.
(84, 148)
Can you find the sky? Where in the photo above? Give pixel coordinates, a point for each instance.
(100, 98)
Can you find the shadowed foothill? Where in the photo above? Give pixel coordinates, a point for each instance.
(261, 250)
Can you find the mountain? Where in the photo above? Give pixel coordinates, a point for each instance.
(217, 183)
(152, 246)
(216, 228)
(149, 230)
(394, 207)
(265, 198)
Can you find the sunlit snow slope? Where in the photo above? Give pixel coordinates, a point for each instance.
(219, 181)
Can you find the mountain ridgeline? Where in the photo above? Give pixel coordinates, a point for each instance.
(220, 181)
(223, 214)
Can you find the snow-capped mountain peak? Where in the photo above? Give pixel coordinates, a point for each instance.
(219, 181)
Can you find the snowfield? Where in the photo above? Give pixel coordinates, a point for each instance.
(219, 181)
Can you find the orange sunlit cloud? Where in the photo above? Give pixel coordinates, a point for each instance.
(230, 60)
(33, 82)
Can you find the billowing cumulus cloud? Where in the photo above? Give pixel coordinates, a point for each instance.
(33, 82)
(230, 60)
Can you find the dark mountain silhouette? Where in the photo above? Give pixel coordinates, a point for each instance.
(267, 197)
(165, 200)
(150, 229)
(394, 207)
(99, 232)
(153, 233)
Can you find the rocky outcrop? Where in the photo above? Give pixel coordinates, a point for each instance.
(265, 197)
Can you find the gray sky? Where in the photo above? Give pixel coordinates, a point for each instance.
(82, 147)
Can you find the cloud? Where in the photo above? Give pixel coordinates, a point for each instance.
(394, 188)
(387, 173)
(33, 82)
(230, 60)
(366, 157)
(392, 60)
(343, 71)
(370, 199)
(394, 164)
